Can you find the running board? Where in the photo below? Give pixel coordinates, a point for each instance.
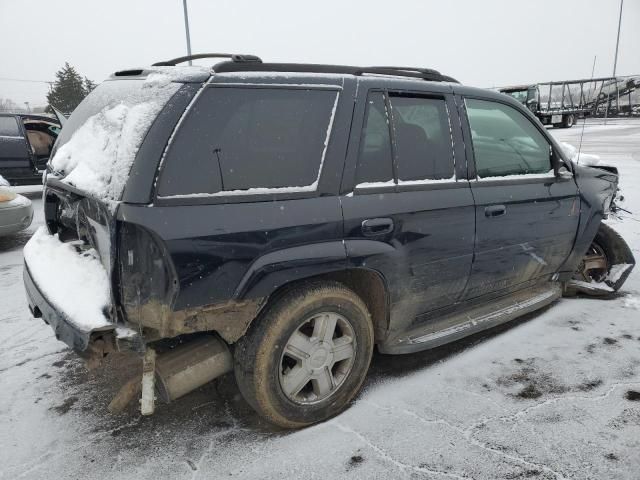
(459, 325)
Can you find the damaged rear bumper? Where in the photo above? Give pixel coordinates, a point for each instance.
(115, 337)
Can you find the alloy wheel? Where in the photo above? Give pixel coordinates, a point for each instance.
(594, 266)
(317, 358)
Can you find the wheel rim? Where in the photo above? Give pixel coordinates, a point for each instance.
(594, 266)
(570, 121)
(317, 358)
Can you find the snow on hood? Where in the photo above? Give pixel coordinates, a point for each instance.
(98, 156)
(9, 199)
(583, 158)
(84, 292)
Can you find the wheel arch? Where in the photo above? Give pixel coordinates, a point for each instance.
(369, 285)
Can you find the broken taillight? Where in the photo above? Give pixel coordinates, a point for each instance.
(148, 283)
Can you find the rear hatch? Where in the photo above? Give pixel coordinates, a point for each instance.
(90, 165)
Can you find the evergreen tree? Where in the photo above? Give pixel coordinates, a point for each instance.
(69, 89)
(88, 86)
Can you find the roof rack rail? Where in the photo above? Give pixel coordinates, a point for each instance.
(235, 57)
(430, 71)
(427, 74)
(411, 72)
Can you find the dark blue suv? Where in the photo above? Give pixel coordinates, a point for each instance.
(282, 220)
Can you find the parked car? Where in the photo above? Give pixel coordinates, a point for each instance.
(26, 141)
(282, 220)
(16, 211)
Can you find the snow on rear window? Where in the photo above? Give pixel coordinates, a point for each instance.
(98, 144)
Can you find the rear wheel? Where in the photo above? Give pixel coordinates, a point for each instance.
(568, 121)
(307, 356)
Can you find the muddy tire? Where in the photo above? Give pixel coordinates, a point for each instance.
(306, 357)
(610, 245)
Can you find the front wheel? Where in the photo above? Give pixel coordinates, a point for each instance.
(605, 267)
(306, 356)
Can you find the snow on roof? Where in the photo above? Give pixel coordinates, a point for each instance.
(249, 74)
(85, 291)
(99, 154)
(183, 73)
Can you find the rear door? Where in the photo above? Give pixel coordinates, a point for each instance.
(15, 159)
(408, 209)
(526, 217)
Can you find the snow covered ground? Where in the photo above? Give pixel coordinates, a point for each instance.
(554, 395)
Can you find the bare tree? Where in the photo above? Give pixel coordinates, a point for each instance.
(8, 105)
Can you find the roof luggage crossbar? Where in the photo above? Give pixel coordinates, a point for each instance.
(235, 57)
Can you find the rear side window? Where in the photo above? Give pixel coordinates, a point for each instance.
(374, 159)
(504, 141)
(250, 140)
(424, 148)
(9, 127)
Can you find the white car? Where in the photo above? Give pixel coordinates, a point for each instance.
(16, 211)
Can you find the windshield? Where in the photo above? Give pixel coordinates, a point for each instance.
(519, 95)
(98, 143)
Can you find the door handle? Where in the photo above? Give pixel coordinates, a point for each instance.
(495, 211)
(377, 226)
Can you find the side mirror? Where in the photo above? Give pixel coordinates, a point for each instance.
(563, 173)
(560, 170)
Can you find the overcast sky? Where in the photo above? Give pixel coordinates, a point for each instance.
(480, 42)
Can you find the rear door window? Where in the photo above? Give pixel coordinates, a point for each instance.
(238, 140)
(9, 127)
(505, 142)
(424, 148)
(375, 164)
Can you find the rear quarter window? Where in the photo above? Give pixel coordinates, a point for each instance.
(243, 140)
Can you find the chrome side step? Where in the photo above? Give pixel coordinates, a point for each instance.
(482, 317)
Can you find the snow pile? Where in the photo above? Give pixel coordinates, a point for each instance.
(584, 158)
(76, 283)
(99, 155)
(3, 182)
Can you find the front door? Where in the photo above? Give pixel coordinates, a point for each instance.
(410, 216)
(526, 217)
(15, 158)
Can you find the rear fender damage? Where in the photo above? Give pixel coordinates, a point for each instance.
(230, 319)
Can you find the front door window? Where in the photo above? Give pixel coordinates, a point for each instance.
(505, 142)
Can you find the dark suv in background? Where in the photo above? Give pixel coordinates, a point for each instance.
(26, 142)
(284, 219)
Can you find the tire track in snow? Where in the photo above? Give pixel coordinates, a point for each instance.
(29, 360)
